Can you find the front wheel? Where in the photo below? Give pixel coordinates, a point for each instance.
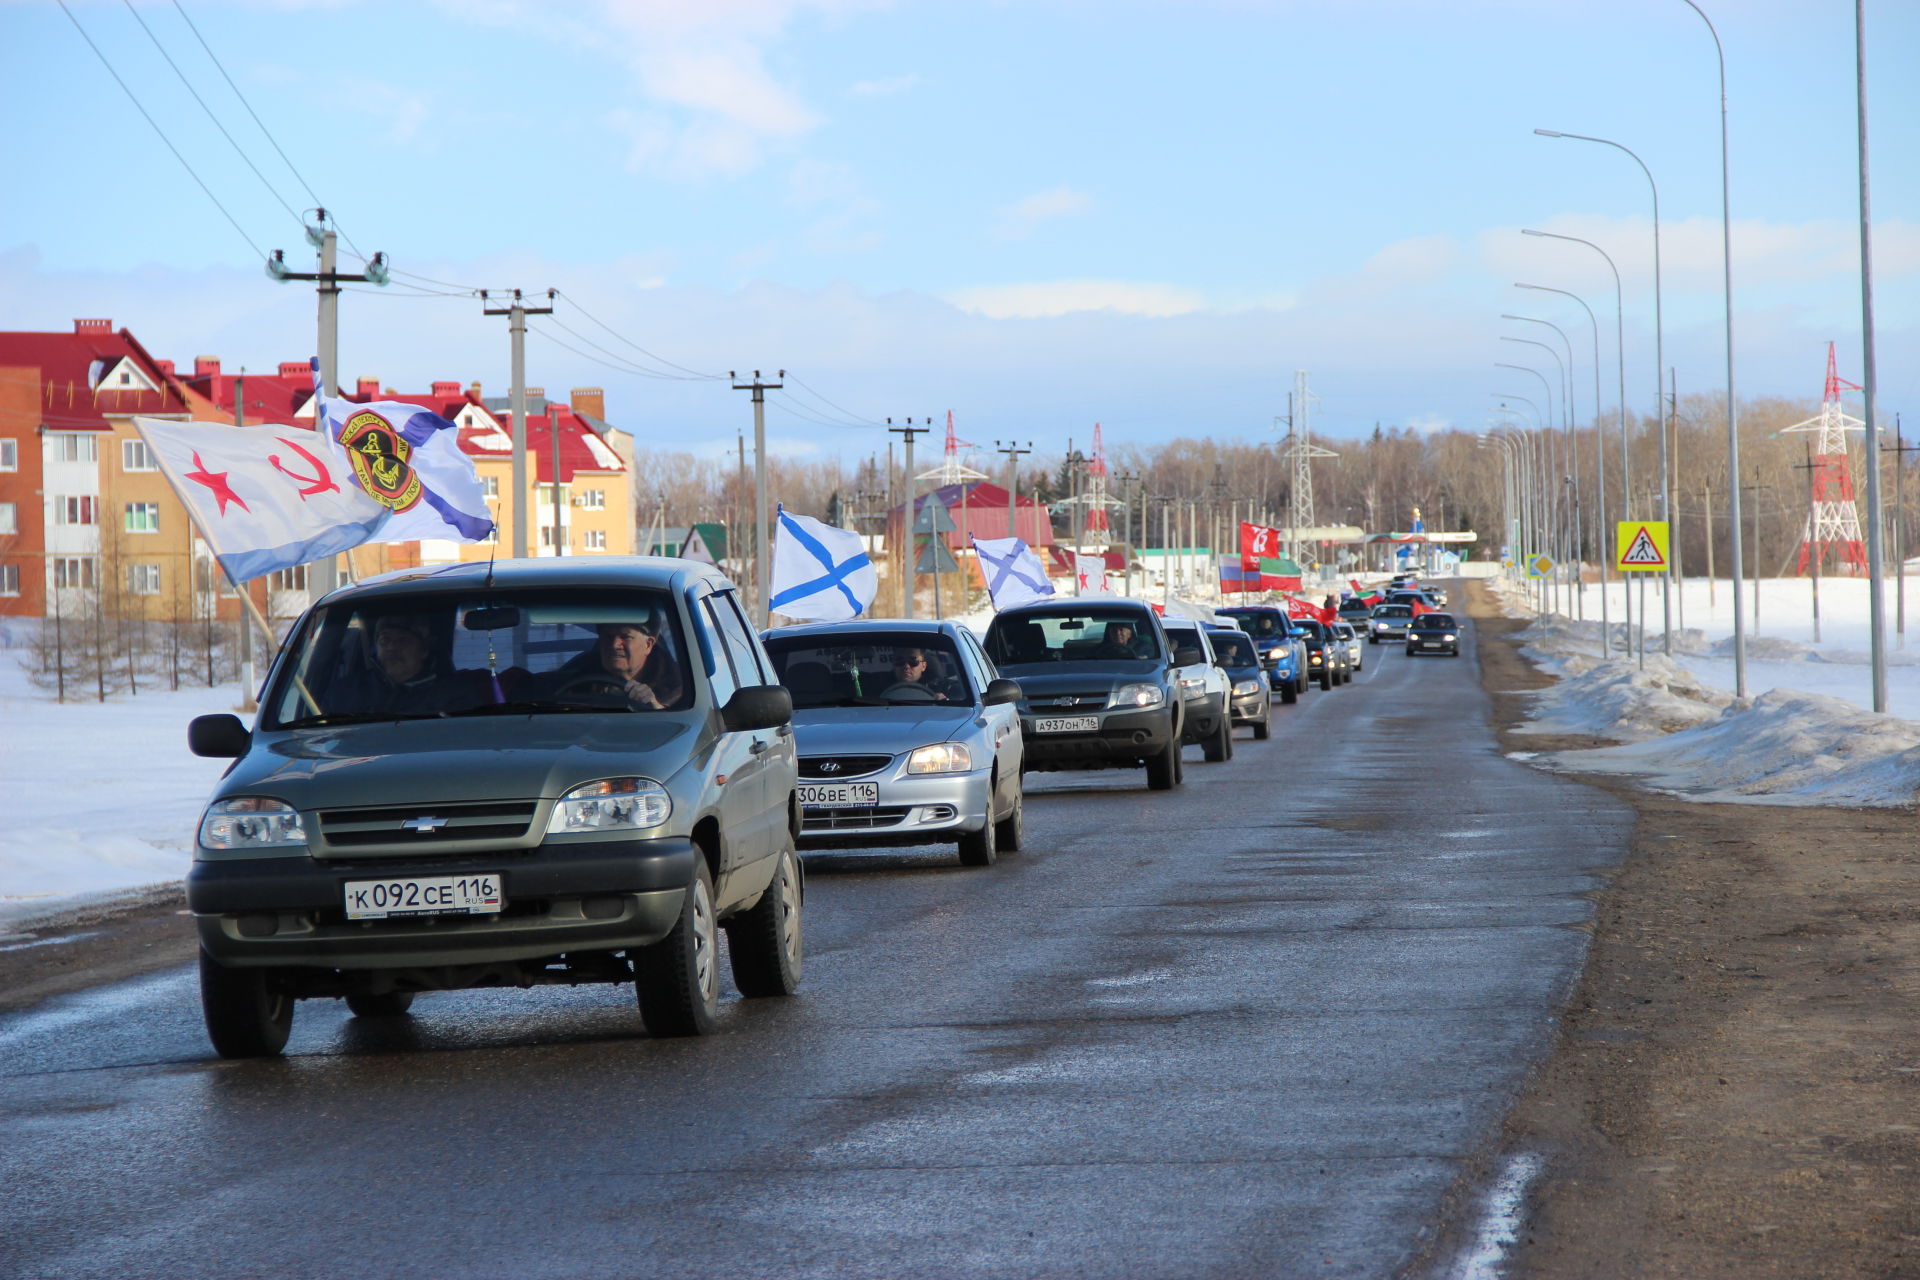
(1289, 693)
(1263, 727)
(765, 942)
(1326, 680)
(1219, 745)
(1013, 827)
(248, 1014)
(677, 979)
(981, 848)
(1163, 770)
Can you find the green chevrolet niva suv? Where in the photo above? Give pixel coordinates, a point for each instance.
(551, 771)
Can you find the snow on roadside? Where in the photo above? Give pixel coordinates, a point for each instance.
(1786, 746)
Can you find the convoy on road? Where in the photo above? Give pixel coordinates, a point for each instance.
(582, 770)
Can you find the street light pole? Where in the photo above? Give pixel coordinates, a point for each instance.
(1659, 373)
(1733, 405)
(1602, 544)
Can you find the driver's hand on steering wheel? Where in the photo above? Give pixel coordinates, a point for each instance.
(641, 695)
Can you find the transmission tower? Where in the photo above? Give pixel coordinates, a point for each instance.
(1834, 518)
(951, 470)
(1301, 450)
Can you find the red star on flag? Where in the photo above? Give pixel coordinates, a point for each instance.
(216, 481)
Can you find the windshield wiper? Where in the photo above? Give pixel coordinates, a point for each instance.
(358, 717)
(534, 706)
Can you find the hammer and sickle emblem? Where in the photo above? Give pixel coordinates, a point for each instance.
(319, 482)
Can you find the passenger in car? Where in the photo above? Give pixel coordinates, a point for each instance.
(412, 678)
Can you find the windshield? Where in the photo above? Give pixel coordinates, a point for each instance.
(1435, 622)
(1314, 628)
(869, 669)
(1393, 611)
(1255, 622)
(1233, 649)
(1088, 635)
(434, 655)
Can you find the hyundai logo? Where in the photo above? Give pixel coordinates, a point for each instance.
(830, 766)
(424, 826)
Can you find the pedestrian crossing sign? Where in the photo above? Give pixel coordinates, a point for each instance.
(1640, 546)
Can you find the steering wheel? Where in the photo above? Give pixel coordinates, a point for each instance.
(604, 681)
(914, 691)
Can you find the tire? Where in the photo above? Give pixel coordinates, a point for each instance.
(1163, 770)
(247, 1015)
(765, 943)
(1263, 727)
(388, 1004)
(1012, 828)
(1289, 695)
(1326, 680)
(677, 979)
(981, 848)
(1373, 639)
(1219, 746)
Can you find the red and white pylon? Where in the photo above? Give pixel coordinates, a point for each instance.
(1833, 520)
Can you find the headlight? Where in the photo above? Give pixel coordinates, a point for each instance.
(252, 822)
(941, 757)
(1447, 636)
(611, 804)
(1314, 658)
(1137, 695)
(1246, 687)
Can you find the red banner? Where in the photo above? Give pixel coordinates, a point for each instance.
(1258, 540)
(1308, 609)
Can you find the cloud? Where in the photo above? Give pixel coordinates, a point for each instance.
(1428, 425)
(884, 88)
(1020, 219)
(1062, 297)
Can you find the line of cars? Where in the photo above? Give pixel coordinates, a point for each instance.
(586, 771)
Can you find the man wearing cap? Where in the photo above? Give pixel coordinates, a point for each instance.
(627, 658)
(411, 681)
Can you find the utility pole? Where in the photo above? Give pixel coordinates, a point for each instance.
(324, 573)
(906, 434)
(517, 312)
(1126, 478)
(762, 596)
(1819, 549)
(1900, 451)
(1013, 450)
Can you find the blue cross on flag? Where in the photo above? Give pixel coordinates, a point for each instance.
(820, 573)
(1014, 574)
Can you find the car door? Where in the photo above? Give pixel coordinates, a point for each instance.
(746, 834)
(1003, 721)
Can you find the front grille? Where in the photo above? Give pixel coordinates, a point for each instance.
(862, 819)
(496, 820)
(837, 767)
(1070, 701)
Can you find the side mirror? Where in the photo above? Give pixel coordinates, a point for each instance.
(222, 736)
(760, 706)
(999, 693)
(1186, 656)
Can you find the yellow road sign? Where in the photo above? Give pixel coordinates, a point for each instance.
(1640, 546)
(1539, 566)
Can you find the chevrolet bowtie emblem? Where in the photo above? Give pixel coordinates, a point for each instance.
(424, 826)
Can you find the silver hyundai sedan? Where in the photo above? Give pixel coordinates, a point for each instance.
(906, 735)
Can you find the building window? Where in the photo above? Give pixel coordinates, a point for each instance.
(73, 571)
(596, 539)
(143, 579)
(594, 499)
(9, 579)
(9, 520)
(293, 579)
(544, 495)
(490, 486)
(69, 446)
(143, 517)
(135, 456)
(9, 455)
(76, 510)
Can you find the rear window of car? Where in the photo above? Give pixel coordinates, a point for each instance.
(1085, 635)
(1235, 650)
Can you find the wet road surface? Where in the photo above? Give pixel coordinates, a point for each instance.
(1253, 1027)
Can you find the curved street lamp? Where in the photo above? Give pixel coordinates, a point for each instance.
(1566, 530)
(1600, 464)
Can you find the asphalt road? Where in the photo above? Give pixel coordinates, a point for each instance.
(1258, 1026)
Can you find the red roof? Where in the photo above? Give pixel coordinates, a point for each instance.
(72, 366)
(581, 448)
(271, 397)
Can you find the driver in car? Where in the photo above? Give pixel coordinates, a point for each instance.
(628, 658)
(910, 667)
(1119, 642)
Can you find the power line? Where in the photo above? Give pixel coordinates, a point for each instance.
(244, 159)
(677, 377)
(714, 377)
(133, 98)
(867, 422)
(615, 363)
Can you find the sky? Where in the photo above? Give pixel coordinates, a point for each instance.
(1035, 214)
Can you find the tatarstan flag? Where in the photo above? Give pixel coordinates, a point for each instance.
(1365, 595)
(1277, 572)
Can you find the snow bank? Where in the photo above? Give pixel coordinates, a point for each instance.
(1619, 700)
(1784, 747)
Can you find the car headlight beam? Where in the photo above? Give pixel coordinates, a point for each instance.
(1137, 695)
(941, 757)
(252, 822)
(611, 804)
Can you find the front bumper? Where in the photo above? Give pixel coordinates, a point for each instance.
(1417, 645)
(1390, 633)
(603, 895)
(1122, 738)
(1250, 708)
(930, 808)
